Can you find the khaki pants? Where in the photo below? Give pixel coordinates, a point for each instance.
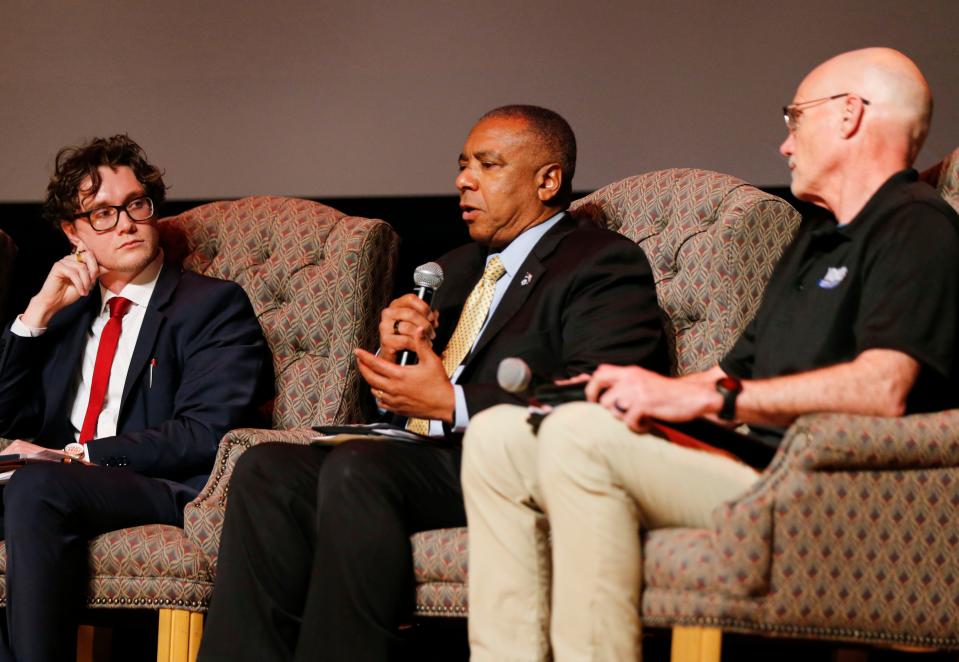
(594, 482)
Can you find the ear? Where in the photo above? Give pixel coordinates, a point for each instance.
(69, 228)
(852, 114)
(549, 179)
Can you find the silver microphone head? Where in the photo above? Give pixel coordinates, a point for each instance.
(428, 275)
(513, 375)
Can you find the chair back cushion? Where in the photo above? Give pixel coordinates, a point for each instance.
(317, 280)
(944, 176)
(712, 241)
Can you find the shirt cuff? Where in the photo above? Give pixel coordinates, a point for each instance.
(461, 417)
(18, 328)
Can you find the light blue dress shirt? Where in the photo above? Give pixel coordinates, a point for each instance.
(512, 258)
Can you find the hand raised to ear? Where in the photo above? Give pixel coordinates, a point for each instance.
(70, 278)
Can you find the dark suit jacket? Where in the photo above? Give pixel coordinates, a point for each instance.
(212, 369)
(589, 299)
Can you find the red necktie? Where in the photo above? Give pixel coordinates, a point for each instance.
(101, 369)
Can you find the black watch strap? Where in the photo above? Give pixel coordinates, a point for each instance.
(729, 388)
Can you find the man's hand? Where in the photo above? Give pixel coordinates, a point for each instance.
(27, 449)
(636, 395)
(422, 390)
(69, 279)
(405, 321)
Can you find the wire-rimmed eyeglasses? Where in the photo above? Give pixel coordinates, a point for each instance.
(793, 111)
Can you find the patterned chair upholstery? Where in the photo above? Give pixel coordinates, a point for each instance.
(712, 241)
(317, 280)
(851, 534)
(944, 176)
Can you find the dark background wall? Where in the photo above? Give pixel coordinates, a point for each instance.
(365, 105)
(347, 98)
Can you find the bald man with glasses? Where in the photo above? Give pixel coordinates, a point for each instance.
(859, 317)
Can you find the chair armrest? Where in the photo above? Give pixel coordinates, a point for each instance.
(203, 517)
(821, 454)
(830, 442)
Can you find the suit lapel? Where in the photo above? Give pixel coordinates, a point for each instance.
(69, 359)
(522, 286)
(153, 319)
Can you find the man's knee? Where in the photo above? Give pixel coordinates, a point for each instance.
(499, 448)
(275, 461)
(570, 440)
(358, 467)
(255, 463)
(36, 487)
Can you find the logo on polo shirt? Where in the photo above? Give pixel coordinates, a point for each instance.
(834, 276)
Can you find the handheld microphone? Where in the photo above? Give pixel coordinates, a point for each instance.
(427, 278)
(515, 376)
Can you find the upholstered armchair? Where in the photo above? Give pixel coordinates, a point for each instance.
(851, 534)
(712, 241)
(317, 280)
(944, 176)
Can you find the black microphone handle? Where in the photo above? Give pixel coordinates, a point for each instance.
(426, 294)
(556, 394)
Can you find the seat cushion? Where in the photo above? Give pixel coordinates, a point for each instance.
(148, 566)
(439, 566)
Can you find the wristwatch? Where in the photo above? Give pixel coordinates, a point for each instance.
(75, 451)
(729, 388)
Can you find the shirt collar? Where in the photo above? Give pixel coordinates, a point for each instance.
(516, 253)
(140, 289)
(880, 200)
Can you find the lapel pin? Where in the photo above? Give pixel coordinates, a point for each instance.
(527, 279)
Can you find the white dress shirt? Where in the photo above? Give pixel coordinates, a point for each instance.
(139, 291)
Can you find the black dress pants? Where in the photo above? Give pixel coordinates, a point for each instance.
(315, 560)
(50, 512)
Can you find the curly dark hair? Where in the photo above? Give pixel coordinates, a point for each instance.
(553, 131)
(74, 165)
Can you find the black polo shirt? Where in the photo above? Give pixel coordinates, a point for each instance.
(889, 279)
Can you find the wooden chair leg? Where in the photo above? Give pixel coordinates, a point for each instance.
(178, 636)
(85, 643)
(196, 633)
(163, 635)
(93, 643)
(696, 644)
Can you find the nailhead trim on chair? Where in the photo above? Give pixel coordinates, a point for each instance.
(191, 605)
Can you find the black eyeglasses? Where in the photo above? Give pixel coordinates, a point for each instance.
(792, 112)
(106, 217)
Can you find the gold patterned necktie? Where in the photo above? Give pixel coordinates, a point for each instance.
(467, 329)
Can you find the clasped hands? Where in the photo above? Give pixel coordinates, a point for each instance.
(422, 390)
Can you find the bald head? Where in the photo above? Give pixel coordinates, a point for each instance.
(900, 102)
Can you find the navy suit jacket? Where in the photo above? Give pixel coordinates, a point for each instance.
(212, 370)
(584, 296)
